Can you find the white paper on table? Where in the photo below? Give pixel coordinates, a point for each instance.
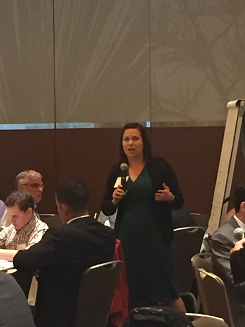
(5, 264)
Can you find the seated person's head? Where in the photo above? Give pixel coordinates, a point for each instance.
(72, 199)
(20, 207)
(30, 181)
(239, 198)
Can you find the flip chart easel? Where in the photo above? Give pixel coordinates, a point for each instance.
(233, 127)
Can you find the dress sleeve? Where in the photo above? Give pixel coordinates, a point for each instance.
(107, 207)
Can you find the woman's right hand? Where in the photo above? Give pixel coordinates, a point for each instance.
(117, 195)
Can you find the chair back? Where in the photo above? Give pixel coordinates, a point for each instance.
(51, 219)
(201, 219)
(202, 260)
(188, 242)
(214, 297)
(96, 291)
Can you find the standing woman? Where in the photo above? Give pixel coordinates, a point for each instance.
(144, 222)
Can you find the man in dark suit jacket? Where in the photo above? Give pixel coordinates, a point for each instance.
(222, 242)
(63, 254)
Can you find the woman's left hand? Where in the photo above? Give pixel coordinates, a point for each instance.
(164, 195)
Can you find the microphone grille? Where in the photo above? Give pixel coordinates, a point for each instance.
(238, 233)
(123, 166)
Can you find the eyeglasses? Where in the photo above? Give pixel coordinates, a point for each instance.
(35, 185)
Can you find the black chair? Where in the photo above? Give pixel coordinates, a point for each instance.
(201, 219)
(96, 292)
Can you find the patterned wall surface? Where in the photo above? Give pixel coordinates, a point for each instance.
(26, 61)
(109, 62)
(198, 59)
(102, 60)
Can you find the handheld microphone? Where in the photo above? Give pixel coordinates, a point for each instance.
(124, 174)
(238, 234)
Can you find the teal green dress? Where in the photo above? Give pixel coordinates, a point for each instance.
(149, 262)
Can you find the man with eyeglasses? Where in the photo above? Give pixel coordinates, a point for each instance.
(29, 181)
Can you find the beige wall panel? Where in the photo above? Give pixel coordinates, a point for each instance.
(197, 59)
(102, 60)
(26, 61)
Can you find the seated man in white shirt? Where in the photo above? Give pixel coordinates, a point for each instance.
(29, 181)
(25, 229)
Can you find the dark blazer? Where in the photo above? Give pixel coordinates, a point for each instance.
(222, 242)
(160, 171)
(61, 257)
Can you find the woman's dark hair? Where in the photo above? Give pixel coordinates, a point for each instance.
(146, 148)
